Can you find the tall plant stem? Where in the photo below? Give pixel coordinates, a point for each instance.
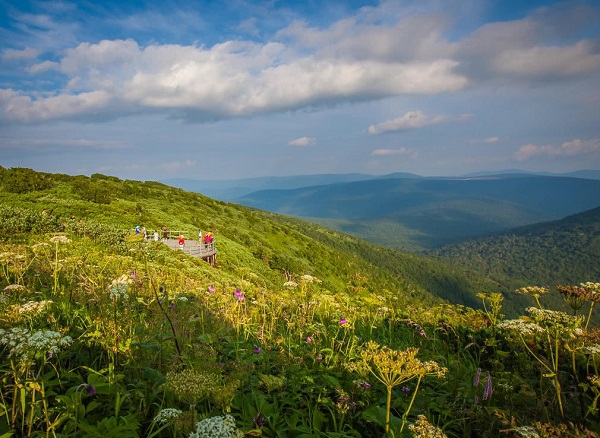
(164, 312)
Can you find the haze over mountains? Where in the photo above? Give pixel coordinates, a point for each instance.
(409, 212)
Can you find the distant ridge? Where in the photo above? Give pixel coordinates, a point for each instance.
(427, 212)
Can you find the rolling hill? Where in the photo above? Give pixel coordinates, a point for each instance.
(424, 213)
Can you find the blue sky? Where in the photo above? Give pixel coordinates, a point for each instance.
(233, 89)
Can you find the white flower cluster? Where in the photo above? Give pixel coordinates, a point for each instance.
(290, 285)
(60, 239)
(310, 279)
(554, 318)
(14, 287)
(24, 345)
(520, 326)
(118, 288)
(167, 415)
(31, 308)
(217, 427)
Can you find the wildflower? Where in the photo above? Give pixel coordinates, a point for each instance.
(521, 326)
(33, 307)
(91, 390)
(308, 340)
(405, 389)
(60, 240)
(239, 295)
(424, 429)
(487, 392)
(26, 346)
(118, 288)
(343, 321)
(172, 306)
(290, 285)
(217, 427)
(365, 385)
(211, 288)
(133, 274)
(256, 350)
(477, 376)
(319, 357)
(167, 415)
(258, 420)
(534, 291)
(14, 287)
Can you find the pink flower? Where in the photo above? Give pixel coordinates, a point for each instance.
(239, 295)
(309, 339)
(343, 321)
(211, 288)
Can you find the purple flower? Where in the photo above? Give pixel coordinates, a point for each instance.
(172, 306)
(211, 289)
(405, 389)
(308, 339)
(256, 350)
(258, 420)
(133, 274)
(90, 389)
(477, 376)
(239, 294)
(487, 392)
(365, 385)
(343, 321)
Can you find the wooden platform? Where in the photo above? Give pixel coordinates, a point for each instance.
(206, 251)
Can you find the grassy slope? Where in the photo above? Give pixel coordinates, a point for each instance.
(248, 240)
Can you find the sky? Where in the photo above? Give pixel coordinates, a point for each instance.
(218, 89)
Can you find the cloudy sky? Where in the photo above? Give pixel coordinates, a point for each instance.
(213, 89)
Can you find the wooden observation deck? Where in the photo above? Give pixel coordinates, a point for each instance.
(205, 251)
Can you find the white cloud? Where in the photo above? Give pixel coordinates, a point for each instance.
(487, 140)
(569, 148)
(401, 151)
(413, 120)
(19, 55)
(303, 141)
(549, 62)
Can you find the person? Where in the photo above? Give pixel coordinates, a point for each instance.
(200, 236)
(209, 237)
(145, 233)
(155, 236)
(181, 241)
(165, 233)
(137, 229)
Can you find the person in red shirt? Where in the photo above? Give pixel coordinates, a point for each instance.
(181, 241)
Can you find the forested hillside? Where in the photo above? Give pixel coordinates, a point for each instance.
(545, 254)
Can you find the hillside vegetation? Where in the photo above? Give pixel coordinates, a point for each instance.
(298, 331)
(545, 254)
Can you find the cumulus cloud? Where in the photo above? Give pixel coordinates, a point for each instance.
(569, 148)
(303, 141)
(413, 120)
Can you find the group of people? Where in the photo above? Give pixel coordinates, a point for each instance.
(207, 238)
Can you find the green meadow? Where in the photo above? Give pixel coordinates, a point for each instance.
(297, 331)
